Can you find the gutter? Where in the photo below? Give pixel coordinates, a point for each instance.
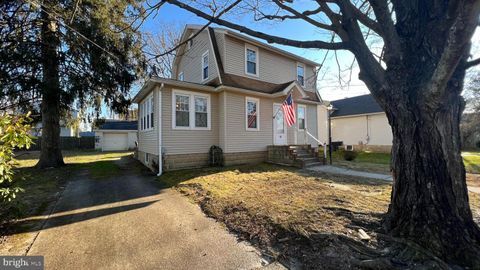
(159, 126)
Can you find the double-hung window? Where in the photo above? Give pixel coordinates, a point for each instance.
(251, 60)
(301, 74)
(205, 66)
(190, 110)
(252, 115)
(301, 117)
(146, 113)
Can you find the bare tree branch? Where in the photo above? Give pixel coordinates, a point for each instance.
(304, 17)
(200, 30)
(472, 63)
(269, 38)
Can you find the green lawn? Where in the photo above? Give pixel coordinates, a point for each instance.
(380, 162)
(41, 186)
(472, 161)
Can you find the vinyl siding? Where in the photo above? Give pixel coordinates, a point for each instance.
(238, 139)
(273, 67)
(222, 119)
(190, 62)
(322, 119)
(187, 141)
(148, 140)
(311, 125)
(353, 130)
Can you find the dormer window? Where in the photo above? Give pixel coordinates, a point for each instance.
(251, 60)
(301, 74)
(205, 66)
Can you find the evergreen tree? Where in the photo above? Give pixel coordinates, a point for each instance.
(57, 52)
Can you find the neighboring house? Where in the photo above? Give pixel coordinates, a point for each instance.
(225, 90)
(65, 131)
(116, 135)
(361, 123)
(68, 128)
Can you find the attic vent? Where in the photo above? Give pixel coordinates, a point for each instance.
(349, 147)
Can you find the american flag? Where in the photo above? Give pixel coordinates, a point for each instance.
(288, 110)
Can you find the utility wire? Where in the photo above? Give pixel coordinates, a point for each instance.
(59, 19)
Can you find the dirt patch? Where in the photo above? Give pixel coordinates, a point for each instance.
(300, 219)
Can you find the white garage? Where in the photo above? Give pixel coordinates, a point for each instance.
(116, 136)
(115, 141)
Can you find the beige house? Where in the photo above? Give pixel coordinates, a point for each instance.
(360, 124)
(225, 90)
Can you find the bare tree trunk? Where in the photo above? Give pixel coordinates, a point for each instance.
(429, 202)
(51, 154)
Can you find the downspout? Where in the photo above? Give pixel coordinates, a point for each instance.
(159, 126)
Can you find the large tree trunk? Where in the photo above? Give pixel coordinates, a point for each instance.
(51, 154)
(429, 202)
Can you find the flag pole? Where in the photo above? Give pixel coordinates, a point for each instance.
(282, 103)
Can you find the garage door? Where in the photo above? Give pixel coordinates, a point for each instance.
(115, 142)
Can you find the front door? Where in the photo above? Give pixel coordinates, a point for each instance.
(279, 130)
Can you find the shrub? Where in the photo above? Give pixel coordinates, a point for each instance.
(13, 135)
(349, 155)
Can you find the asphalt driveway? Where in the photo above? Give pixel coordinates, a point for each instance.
(128, 222)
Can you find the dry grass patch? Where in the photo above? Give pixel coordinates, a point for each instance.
(290, 213)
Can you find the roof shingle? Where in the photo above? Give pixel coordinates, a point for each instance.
(355, 105)
(120, 125)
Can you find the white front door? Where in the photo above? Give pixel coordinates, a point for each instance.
(279, 129)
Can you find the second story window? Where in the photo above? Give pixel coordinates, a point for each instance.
(190, 42)
(251, 60)
(205, 66)
(301, 74)
(180, 76)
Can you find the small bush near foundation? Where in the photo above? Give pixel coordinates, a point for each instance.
(348, 155)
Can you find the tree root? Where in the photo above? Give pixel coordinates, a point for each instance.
(416, 248)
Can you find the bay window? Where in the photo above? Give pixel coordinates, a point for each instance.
(146, 108)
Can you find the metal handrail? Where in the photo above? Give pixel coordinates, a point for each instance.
(319, 142)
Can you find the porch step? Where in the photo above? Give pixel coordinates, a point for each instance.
(296, 155)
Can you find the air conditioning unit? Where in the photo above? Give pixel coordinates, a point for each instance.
(348, 147)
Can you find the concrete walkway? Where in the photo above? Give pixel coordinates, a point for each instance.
(128, 222)
(344, 171)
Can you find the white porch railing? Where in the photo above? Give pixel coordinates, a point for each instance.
(324, 144)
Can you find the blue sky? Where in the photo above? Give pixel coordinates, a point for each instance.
(329, 87)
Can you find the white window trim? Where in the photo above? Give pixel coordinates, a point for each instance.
(304, 117)
(189, 42)
(257, 60)
(191, 108)
(247, 99)
(208, 65)
(144, 105)
(304, 73)
(181, 75)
